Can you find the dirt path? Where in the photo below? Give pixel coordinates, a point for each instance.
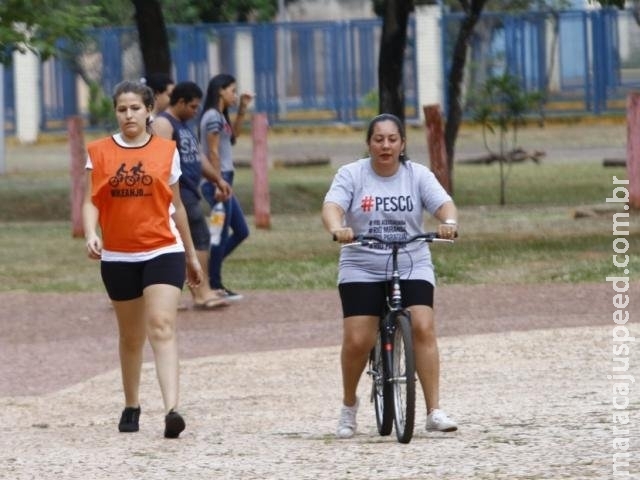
(560, 142)
(50, 341)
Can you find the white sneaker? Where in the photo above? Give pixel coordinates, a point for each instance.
(228, 295)
(438, 421)
(347, 423)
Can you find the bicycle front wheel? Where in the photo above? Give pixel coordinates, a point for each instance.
(403, 380)
(381, 393)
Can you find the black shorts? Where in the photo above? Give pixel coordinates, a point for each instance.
(127, 280)
(198, 225)
(369, 298)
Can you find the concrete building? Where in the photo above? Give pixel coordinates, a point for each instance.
(308, 10)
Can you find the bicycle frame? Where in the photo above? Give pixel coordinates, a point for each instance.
(398, 368)
(394, 301)
(388, 319)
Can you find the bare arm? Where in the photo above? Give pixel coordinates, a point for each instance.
(90, 221)
(447, 215)
(224, 190)
(162, 127)
(333, 220)
(211, 167)
(194, 269)
(245, 99)
(213, 153)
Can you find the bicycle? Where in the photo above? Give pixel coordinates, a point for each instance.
(392, 361)
(135, 178)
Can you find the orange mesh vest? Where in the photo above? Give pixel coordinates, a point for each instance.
(130, 188)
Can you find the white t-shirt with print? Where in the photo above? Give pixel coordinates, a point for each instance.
(388, 207)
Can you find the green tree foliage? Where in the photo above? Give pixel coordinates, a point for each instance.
(112, 12)
(100, 108)
(220, 11)
(238, 10)
(37, 25)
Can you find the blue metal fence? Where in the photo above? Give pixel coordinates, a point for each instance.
(581, 67)
(327, 71)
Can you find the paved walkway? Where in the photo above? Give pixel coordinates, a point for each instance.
(531, 404)
(532, 399)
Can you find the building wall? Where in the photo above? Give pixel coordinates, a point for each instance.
(309, 10)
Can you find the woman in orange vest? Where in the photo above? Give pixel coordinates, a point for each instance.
(146, 251)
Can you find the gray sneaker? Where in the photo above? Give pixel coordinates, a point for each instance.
(438, 421)
(347, 424)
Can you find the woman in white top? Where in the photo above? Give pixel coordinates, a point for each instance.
(385, 195)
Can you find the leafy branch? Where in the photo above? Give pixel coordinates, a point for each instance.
(501, 107)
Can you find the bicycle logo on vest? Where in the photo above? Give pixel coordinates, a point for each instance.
(134, 176)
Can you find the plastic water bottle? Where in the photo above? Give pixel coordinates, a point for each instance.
(216, 222)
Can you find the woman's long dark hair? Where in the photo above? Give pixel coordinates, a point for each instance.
(212, 98)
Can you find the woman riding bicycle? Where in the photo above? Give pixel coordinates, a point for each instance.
(385, 195)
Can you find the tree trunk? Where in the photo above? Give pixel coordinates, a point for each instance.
(456, 75)
(152, 33)
(391, 60)
(503, 184)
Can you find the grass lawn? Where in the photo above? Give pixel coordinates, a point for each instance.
(534, 238)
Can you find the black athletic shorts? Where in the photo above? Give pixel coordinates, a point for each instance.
(198, 225)
(127, 280)
(369, 298)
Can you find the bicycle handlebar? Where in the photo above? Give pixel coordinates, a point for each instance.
(428, 237)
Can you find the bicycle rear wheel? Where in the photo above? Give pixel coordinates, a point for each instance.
(403, 380)
(381, 393)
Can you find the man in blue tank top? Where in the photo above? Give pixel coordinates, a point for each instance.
(173, 123)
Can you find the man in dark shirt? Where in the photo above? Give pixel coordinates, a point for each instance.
(173, 123)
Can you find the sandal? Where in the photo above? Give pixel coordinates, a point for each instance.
(211, 304)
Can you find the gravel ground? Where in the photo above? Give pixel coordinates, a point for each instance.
(530, 404)
(524, 372)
